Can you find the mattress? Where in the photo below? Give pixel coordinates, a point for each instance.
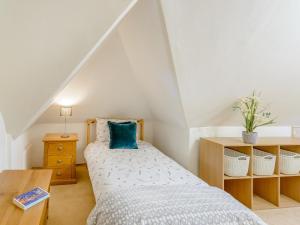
(144, 186)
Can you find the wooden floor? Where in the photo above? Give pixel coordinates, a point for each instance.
(71, 205)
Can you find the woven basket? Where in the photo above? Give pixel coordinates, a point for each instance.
(236, 164)
(289, 162)
(263, 163)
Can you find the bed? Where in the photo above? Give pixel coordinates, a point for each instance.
(145, 187)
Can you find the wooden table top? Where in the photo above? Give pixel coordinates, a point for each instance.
(57, 137)
(15, 182)
(264, 141)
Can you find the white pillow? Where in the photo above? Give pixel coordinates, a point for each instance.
(102, 129)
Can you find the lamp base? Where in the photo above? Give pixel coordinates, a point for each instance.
(65, 136)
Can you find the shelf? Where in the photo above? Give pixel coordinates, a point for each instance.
(260, 204)
(286, 202)
(240, 189)
(267, 189)
(256, 192)
(254, 177)
(236, 178)
(271, 176)
(289, 190)
(290, 175)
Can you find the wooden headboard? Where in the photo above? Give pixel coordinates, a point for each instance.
(90, 123)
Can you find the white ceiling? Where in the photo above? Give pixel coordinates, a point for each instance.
(131, 75)
(42, 42)
(223, 50)
(145, 41)
(104, 87)
(219, 51)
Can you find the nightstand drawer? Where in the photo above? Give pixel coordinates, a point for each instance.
(61, 173)
(61, 148)
(57, 161)
(60, 156)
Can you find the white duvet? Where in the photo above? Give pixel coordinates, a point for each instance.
(145, 187)
(112, 169)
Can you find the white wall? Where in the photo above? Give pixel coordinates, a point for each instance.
(224, 49)
(173, 141)
(3, 149)
(42, 44)
(14, 153)
(20, 152)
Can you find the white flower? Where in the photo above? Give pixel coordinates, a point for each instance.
(253, 112)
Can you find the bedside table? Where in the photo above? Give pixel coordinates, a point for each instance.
(60, 156)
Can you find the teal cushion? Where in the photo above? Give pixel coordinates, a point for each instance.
(122, 135)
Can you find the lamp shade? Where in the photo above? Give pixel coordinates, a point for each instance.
(65, 111)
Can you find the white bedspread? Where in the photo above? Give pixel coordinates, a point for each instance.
(145, 187)
(112, 169)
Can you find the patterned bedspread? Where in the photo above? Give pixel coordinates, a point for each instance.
(170, 205)
(145, 187)
(113, 169)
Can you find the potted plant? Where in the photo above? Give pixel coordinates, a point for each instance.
(254, 116)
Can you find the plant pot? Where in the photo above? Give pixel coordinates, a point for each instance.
(249, 137)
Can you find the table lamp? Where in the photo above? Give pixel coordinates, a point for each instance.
(65, 111)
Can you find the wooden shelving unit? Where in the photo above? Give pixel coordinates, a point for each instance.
(256, 192)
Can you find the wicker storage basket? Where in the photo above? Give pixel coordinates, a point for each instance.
(263, 163)
(289, 162)
(236, 164)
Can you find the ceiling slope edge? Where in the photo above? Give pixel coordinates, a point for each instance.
(45, 106)
(144, 28)
(172, 59)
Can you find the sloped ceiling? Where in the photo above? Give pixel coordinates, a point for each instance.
(144, 38)
(42, 42)
(131, 75)
(223, 50)
(105, 87)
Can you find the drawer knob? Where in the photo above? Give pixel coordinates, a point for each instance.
(58, 173)
(59, 161)
(60, 148)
